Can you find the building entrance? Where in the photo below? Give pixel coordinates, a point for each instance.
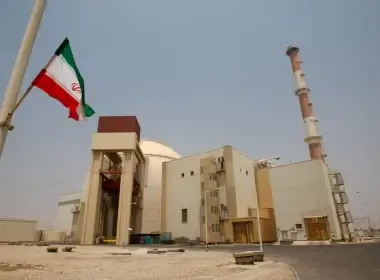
(317, 228)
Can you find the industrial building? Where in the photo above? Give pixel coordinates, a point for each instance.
(337, 196)
(17, 230)
(214, 191)
(217, 196)
(113, 201)
(303, 202)
(69, 205)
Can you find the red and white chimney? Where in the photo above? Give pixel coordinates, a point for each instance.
(313, 139)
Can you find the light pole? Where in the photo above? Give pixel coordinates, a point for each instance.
(368, 217)
(262, 163)
(19, 69)
(205, 212)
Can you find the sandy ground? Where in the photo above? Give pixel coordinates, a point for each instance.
(31, 262)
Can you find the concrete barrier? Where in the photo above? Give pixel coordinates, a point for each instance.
(180, 250)
(67, 249)
(249, 257)
(120, 253)
(156, 251)
(244, 258)
(52, 249)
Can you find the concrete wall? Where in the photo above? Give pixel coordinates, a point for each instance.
(183, 193)
(300, 190)
(151, 221)
(66, 203)
(264, 188)
(17, 230)
(244, 183)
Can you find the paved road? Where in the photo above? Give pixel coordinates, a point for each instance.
(326, 262)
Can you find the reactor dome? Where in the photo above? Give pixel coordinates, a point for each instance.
(157, 153)
(158, 149)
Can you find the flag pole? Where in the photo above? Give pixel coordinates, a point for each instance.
(19, 69)
(25, 94)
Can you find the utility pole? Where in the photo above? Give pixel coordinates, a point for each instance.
(19, 69)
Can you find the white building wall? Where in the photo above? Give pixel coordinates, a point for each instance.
(17, 230)
(152, 195)
(244, 183)
(185, 193)
(65, 217)
(300, 190)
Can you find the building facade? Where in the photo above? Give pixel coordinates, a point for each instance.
(157, 153)
(215, 192)
(303, 202)
(68, 214)
(113, 203)
(17, 230)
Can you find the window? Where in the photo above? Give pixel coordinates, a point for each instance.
(215, 228)
(246, 172)
(298, 226)
(203, 219)
(202, 186)
(203, 202)
(184, 216)
(182, 175)
(191, 173)
(201, 169)
(214, 210)
(250, 212)
(214, 193)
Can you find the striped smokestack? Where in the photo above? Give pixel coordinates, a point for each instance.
(313, 139)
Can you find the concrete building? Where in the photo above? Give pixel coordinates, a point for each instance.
(68, 214)
(113, 202)
(304, 204)
(17, 230)
(69, 205)
(213, 191)
(157, 153)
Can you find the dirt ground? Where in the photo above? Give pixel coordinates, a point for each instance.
(32, 262)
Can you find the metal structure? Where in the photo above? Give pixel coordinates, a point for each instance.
(341, 205)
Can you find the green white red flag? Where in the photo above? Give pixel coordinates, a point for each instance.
(61, 80)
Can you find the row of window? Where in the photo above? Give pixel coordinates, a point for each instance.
(214, 210)
(246, 172)
(212, 176)
(214, 227)
(191, 174)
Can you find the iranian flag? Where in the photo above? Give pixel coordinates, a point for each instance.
(61, 80)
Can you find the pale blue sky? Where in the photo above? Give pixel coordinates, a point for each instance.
(198, 74)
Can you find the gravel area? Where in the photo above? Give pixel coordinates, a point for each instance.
(34, 263)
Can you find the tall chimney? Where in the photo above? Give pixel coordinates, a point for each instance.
(313, 139)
